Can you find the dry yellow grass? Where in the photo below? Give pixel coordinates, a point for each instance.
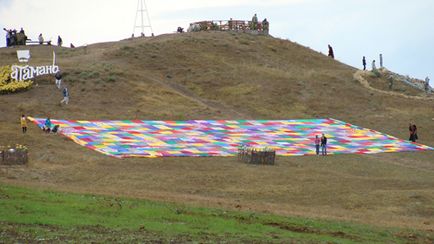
(224, 76)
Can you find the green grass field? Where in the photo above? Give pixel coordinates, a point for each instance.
(36, 215)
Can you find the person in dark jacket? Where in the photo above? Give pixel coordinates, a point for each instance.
(324, 145)
(65, 96)
(58, 77)
(59, 41)
(364, 63)
(331, 53)
(413, 132)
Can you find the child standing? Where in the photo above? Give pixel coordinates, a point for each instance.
(24, 123)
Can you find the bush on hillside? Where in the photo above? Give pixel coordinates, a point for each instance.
(7, 85)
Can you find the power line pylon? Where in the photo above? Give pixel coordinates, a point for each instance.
(142, 10)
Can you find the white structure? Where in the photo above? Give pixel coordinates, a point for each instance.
(27, 72)
(142, 10)
(23, 56)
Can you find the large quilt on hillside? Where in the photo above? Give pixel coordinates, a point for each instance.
(136, 138)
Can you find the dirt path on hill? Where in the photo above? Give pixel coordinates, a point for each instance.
(185, 92)
(359, 76)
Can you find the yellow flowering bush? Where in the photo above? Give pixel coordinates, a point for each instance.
(17, 147)
(7, 85)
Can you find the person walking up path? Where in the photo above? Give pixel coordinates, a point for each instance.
(58, 77)
(331, 52)
(23, 121)
(65, 96)
(324, 145)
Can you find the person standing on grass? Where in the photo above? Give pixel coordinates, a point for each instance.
(8, 37)
(65, 96)
(59, 41)
(415, 137)
(23, 123)
(317, 143)
(364, 63)
(324, 145)
(413, 132)
(254, 22)
(41, 39)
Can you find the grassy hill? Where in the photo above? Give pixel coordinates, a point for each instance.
(214, 75)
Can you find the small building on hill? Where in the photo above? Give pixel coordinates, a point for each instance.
(245, 26)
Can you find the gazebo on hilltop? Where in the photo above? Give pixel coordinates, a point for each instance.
(261, 27)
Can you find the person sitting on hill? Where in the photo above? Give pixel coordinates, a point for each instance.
(55, 129)
(72, 45)
(47, 125)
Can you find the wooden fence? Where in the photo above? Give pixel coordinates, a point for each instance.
(256, 156)
(13, 156)
(230, 25)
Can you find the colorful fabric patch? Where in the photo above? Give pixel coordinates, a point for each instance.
(137, 138)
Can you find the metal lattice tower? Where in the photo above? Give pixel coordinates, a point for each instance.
(142, 10)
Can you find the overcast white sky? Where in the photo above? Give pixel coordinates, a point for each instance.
(402, 30)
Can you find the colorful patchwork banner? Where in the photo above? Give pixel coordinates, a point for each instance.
(137, 138)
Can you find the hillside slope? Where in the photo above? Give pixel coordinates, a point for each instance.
(214, 75)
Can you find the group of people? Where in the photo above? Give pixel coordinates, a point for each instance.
(14, 37)
(47, 127)
(374, 66)
(50, 127)
(254, 24)
(321, 143)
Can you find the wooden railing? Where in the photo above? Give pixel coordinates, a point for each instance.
(256, 156)
(229, 25)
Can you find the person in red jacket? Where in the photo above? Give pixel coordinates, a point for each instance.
(317, 143)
